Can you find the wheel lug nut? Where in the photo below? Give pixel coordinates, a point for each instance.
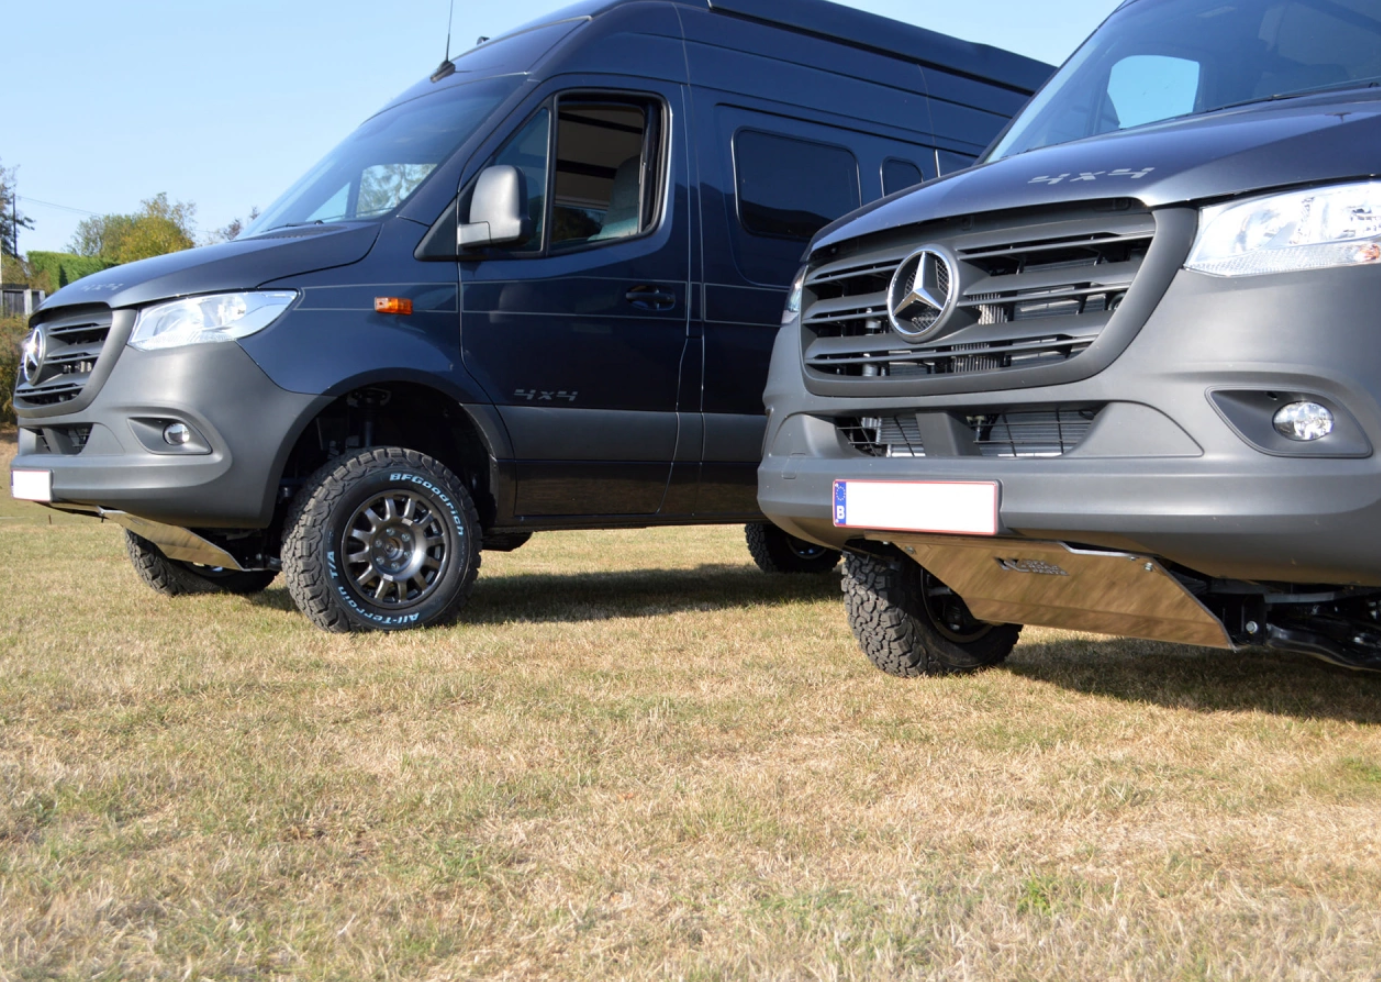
(378, 543)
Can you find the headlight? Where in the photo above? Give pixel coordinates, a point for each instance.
(1313, 229)
(206, 320)
(793, 301)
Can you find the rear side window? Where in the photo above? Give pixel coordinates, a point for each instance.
(790, 188)
(898, 175)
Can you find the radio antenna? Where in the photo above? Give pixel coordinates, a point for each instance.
(447, 68)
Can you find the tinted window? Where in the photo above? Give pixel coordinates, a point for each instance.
(1145, 88)
(527, 151)
(897, 175)
(384, 161)
(1155, 61)
(790, 188)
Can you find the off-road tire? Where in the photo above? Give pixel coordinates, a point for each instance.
(776, 552)
(174, 578)
(324, 578)
(900, 628)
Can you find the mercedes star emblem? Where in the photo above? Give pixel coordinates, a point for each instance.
(923, 293)
(34, 350)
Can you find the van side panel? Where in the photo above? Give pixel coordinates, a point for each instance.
(768, 81)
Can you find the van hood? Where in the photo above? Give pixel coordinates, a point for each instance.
(243, 264)
(1221, 154)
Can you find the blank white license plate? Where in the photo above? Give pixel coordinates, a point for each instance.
(958, 508)
(32, 485)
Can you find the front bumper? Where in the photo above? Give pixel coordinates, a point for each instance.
(110, 454)
(1162, 472)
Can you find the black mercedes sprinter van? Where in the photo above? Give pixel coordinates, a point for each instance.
(1122, 376)
(537, 291)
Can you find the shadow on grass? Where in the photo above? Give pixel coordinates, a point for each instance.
(579, 597)
(574, 597)
(1204, 679)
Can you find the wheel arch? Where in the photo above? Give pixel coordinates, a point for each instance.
(399, 409)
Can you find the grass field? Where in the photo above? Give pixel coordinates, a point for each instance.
(637, 757)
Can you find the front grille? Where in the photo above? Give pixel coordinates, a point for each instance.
(1030, 293)
(74, 345)
(1037, 431)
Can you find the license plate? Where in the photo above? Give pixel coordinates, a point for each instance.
(954, 507)
(32, 485)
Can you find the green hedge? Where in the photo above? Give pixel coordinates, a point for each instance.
(65, 267)
(12, 331)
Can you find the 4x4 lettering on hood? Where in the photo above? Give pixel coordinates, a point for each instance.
(1092, 175)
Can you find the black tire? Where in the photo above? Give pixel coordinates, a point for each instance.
(909, 624)
(413, 566)
(776, 552)
(174, 578)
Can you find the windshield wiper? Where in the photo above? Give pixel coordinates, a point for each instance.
(1358, 83)
(319, 221)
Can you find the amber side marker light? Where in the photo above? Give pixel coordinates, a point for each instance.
(392, 305)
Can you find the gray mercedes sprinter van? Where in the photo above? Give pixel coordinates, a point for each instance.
(1122, 376)
(537, 291)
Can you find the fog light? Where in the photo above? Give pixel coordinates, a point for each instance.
(1304, 421)
(180, 434)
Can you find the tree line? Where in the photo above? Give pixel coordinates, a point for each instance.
(159, 226)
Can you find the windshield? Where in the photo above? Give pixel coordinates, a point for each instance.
(382, 163)
(1160, 59)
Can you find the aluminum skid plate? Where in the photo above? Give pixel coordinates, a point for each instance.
(1050, 584)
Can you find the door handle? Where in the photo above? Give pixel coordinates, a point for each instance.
(651, 298)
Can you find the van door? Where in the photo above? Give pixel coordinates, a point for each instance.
(579, 332)
(781, 181)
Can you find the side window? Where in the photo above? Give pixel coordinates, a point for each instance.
(898, 174)
(1148, 88)
(790, 188)
(527, 151)
(951, 162)
(605, 182)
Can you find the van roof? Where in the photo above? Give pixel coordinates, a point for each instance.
(861, 29)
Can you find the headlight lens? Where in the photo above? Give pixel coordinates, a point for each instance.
(1313, 229)
(207, 320)
(793, 301)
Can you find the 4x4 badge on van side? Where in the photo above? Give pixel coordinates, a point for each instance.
(923, 293)
(540, 395)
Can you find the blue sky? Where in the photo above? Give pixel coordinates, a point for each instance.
(226, 103)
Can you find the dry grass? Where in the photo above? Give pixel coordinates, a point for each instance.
(637, 757)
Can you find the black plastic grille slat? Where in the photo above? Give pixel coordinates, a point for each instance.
(74, 346)
(1034, 432)
(68, 440)
(1067, 273)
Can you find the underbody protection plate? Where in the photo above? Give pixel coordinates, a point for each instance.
(1051, 584)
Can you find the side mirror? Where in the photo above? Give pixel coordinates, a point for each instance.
(498, 209)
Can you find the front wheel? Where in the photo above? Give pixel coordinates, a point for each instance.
(174, 578)
(386, 540)
(910, 624)
(776, 552)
